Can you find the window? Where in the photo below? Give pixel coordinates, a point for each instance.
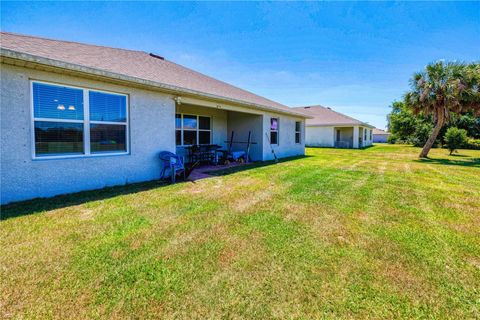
(192, 129)
(365, 134)
(371, 134)
(70, 121)
(298, 132)
(58, 138)
(108, 122)
(273, 130)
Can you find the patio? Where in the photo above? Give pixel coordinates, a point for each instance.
(204, 133)
(204, 171)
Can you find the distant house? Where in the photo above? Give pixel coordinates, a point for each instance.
(76, 116)
(380, 136)
(328, 128)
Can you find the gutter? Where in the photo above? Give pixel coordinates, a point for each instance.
(16, 55)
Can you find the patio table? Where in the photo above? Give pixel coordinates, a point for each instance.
(203, 153)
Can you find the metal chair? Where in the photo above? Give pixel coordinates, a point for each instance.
(174, 163)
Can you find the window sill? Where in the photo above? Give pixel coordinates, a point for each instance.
(80, 156)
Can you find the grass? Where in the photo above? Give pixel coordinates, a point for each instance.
(371, 233)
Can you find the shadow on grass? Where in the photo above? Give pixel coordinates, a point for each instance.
(338, 148)
(471, 162)
(37, 205)
(22, 208)
(459, 155)
(255, 165)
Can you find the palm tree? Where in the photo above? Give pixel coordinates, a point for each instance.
(443, 89)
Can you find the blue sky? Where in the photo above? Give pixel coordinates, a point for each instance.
(354, 57)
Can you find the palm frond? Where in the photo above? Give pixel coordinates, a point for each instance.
(452, 87)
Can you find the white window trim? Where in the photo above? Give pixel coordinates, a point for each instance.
(277, 131)
(86, 124)
(300, 132)
(197, 129)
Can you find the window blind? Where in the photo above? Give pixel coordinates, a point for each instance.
(57, 102)
(107, 107)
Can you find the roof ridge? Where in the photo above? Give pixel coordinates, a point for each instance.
(330, 109)
(347, 116)
(68, 41)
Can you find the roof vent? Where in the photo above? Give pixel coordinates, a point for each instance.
(306, 107)
(156, 56)
(329, 108)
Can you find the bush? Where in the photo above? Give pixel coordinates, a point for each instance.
(473, 144)
(392, 139)
(455, 138)
(421, 135)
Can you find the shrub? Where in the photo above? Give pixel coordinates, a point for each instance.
(392, 139)
(421, 135)
(473, 144)
(455, 138)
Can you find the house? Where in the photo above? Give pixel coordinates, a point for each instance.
(77, 117)
(328, 128)
(380, 136)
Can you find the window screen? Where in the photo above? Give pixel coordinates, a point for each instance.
(189, 122)
(57, 102)
(107, 107)
(107, 138)
(298, 132)
(60, 127)
(274, 130)
(53, 138)
(189, 137)
(192, 130)
(204, 123)
(204, 137)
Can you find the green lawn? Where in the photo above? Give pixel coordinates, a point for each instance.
(338, 234)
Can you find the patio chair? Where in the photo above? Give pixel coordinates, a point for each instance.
(202, 153)
(174, 163)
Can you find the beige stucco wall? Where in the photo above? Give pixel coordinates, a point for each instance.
(152, 130)
(325, 136)
(380, 138)
(242, 123)
(320, 136)
(346, 133)
(286, 146)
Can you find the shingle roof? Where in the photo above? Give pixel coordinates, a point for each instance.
(380, 131)
(135, 64)
(324, 116)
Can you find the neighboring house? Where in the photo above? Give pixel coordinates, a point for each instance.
(380, 136)
(328, 128)
(77, 117)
